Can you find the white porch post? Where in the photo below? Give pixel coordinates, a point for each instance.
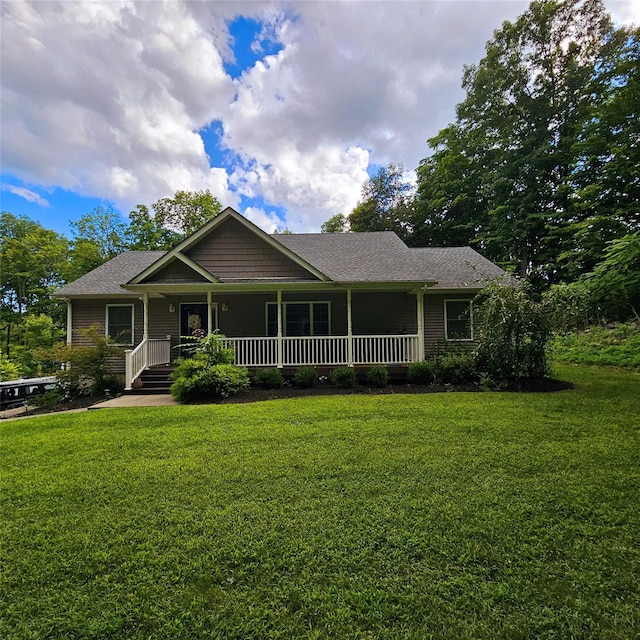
(349, 330)
(145, 327)
(69, 321)
(279, 298)
(420, 311)
(209, 314)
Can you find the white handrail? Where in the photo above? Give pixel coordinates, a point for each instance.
(147, 354)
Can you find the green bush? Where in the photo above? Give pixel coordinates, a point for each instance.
(268, 379)
(512, 331)
(343, 377)
(305, 377)
(194, 380)
(378, 376)
(454, 368)
(420, 372)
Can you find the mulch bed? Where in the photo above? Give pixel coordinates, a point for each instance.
(541, 385)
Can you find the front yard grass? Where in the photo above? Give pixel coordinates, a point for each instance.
(454, 515)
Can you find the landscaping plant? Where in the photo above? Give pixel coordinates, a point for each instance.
(305, 377)
(209, 373)
(378, 376)
(344, 377)
(420, 372)
(268, 379)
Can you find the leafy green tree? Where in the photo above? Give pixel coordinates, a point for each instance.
(335, 224)
(387, 203)
(32, 262)
(614, 284)
(606, 176)
(98, 236)
(503, 176)
(187, 211)
(147, 233)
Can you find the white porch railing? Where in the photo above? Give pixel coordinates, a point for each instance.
(146, 354)
(324, 350)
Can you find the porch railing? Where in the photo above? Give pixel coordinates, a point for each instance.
(325, 350)
(147, 354)
(311, 350)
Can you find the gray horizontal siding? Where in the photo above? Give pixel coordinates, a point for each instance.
(233, 251)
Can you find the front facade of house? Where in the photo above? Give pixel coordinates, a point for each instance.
(282, 301)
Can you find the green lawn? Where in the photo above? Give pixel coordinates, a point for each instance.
(483, 515)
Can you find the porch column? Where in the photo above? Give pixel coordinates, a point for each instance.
(420, 311)
(209, 314)
(279, 298)
(69, 321)
(145, 327)
(349, 330)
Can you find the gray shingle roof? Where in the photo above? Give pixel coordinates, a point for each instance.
(106, 279)
(343, 257)
(353, 257)
(382, 257)
(456, 267)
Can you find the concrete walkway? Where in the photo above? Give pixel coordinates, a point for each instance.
(158, 400)
(147, 400)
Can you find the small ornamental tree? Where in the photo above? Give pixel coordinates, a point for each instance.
(512, 331)
(86, 369)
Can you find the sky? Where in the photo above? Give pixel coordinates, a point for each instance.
(281, 109)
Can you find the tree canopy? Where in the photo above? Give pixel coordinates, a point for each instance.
(540, 169)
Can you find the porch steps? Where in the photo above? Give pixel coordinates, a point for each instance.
(153, 380)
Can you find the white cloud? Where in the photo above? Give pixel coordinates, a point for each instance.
(106, 98)
(268, 222)
(27, 194)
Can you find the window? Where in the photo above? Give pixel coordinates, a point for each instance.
(120, 323)
(299, 319)
(457, 320)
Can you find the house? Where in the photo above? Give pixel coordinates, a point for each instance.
(281, 300)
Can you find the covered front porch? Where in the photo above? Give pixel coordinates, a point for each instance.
(358, 326)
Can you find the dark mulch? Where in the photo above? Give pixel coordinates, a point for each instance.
(253, 394)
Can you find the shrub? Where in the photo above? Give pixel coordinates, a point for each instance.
(512, 334)
(378, 376)
(210, 346)
(305, 377)
(343, 377)
(420, 372)
(454, 368)
(88, 373)
(268, 379)
(195, 380)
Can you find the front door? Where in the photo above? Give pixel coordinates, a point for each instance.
(193, 320)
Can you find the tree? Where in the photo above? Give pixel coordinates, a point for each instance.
(387, 203)
(503, 174)
(335, 224)
(98, 236)
(187, 211)
(32, 261)
(146, 233)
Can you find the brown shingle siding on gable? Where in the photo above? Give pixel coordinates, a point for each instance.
(233, 251)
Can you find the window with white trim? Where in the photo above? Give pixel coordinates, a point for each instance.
(299, 319)
(119, 323)
(458, 315)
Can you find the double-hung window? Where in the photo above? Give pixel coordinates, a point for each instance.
(299, 319)
(458, 315)
(119, 324)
